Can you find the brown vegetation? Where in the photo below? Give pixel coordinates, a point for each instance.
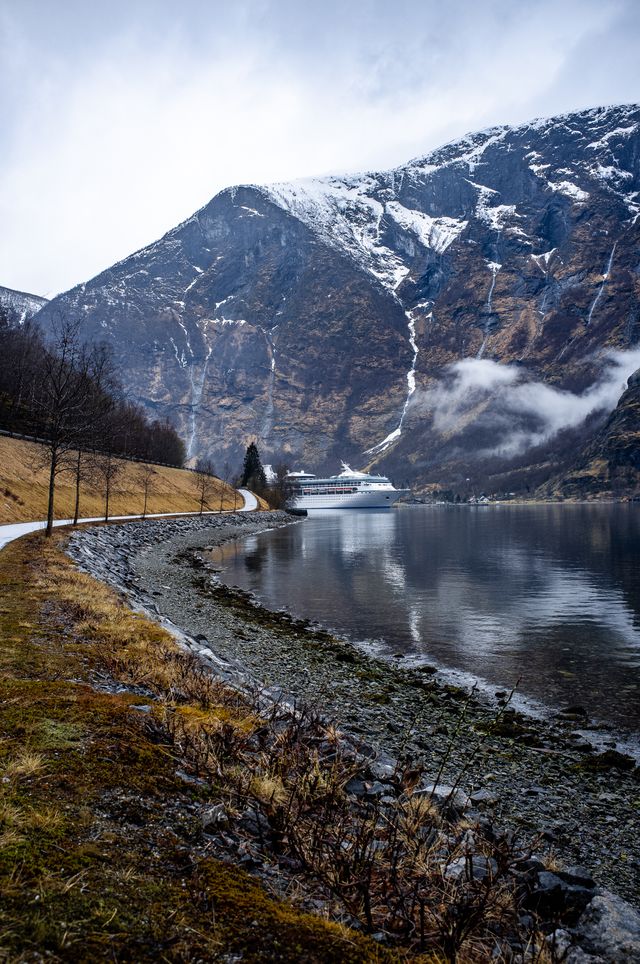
(23, 489)
(102, 854)
(104, 776)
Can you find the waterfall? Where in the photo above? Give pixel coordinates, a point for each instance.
(493, 267)
(197, 389)
(267, 421)
(605, 278)
(411, 387)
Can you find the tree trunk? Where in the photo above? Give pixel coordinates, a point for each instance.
(144, 508)
(107, 493)
(52, 489)
(76, 511)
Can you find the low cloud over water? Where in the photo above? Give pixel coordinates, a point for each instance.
(521, 411)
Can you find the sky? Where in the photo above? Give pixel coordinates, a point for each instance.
(119, 119)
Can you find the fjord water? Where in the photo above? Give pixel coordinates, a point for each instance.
(549, 594)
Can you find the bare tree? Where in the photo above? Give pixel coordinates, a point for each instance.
(84, 470)
(226, 477)
(205, 482)
(147, 473)
(62, 401)
(280, 489)
(108, 468)
(234, 484)
(100, 409)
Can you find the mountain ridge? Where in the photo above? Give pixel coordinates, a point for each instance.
(315, 312)
(19, 306)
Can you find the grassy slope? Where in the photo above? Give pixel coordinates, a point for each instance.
(24, 480)
(101, 852)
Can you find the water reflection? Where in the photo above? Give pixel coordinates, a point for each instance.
(547, 593)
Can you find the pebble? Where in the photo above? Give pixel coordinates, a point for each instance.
(596, 818)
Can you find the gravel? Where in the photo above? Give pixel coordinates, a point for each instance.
(531, 776)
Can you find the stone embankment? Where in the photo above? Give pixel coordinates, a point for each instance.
(539, 779)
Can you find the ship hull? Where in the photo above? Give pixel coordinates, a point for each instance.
(383, 499)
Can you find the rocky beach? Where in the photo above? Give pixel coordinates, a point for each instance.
(540, 780)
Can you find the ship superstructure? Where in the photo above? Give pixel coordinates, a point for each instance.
(349, 490)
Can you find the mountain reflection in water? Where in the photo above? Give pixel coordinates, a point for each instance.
(549, 593)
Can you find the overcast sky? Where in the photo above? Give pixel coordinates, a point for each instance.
(121, 118)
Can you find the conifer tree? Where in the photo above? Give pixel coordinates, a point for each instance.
(252, 472)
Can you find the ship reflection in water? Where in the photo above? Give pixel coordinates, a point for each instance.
(549, 593)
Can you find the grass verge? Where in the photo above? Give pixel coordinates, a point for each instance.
(102, 852)
(24, 488)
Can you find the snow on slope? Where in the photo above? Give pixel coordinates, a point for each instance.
(19, 305)
(355, 213)
(347, 213)
(434, 233)
(348, 216)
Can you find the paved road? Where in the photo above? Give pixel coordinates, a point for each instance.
(16, 529)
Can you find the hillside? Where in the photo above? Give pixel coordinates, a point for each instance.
(610, 464)
(19, 306)
(372, 317)
(23, 488)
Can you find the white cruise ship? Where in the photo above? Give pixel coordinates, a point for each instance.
(349, 490)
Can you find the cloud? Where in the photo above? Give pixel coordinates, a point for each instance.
(519, 411)
(120, 119)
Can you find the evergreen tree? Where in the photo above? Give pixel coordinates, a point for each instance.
(252, 472)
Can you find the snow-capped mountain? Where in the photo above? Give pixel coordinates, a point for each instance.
(18, 306)
(319, 316)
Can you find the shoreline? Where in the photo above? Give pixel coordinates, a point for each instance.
(532, 776)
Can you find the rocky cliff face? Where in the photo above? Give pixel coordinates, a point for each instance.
(323, 317)
(19, 306)
(609, 465)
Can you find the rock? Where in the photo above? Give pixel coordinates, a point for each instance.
(559, 895)
(214, 818)
(376, 789)
(577, 875)
(633, 381)
(484, 797)
(445, 796)
(473, 867)
(355, 787)
(255, 823)
(608, 760)
(559, 942)
(188, 778)
(534, 791)
(610, 929)
(366, 752)
(574, 710)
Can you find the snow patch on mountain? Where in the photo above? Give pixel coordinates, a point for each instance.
(19, 306)
(435, 233)
(347, 216)
(619, 132)
(607, 172)
(492, 215)
(545, 257)
(569, 190)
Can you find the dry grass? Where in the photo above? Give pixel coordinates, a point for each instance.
(23, 489)
(386, 865)
(23, 767)
(102, 855)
